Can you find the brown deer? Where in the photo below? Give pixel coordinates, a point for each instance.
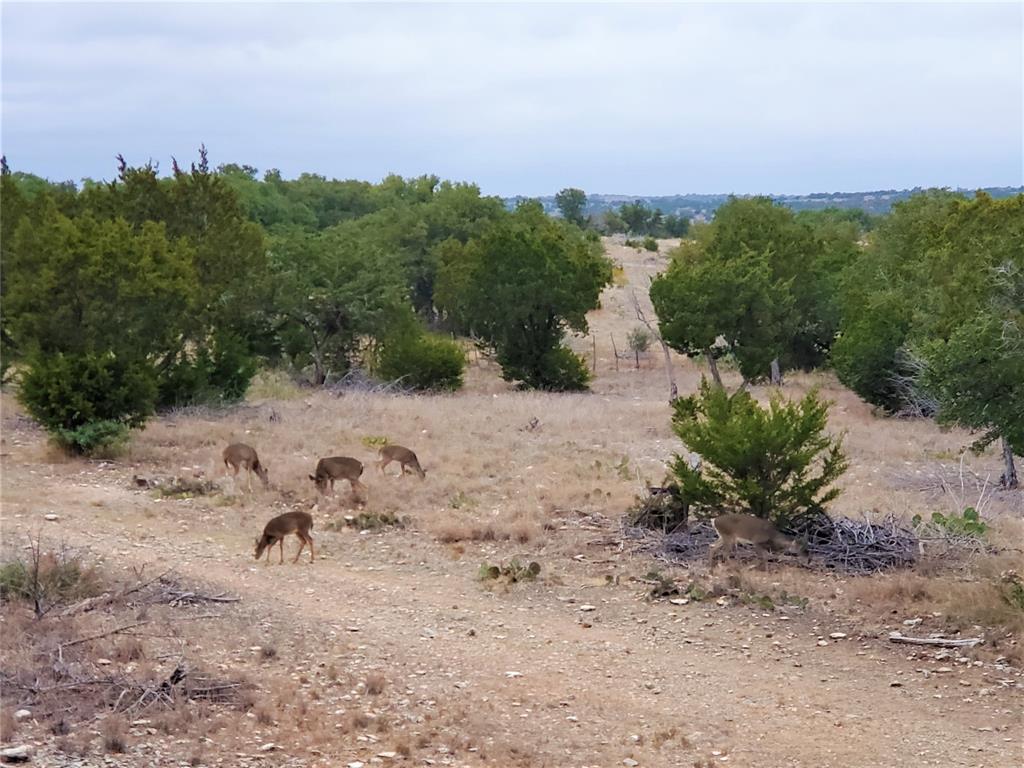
(299, 523)
(338, 468)
(747, 529)
(403, 456)
(238, 455)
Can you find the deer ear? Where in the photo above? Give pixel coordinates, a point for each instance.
(311, 477)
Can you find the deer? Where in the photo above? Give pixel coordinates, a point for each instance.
(403, 456)
(238, 455)
(299, 523)
(338, 468)
(747, 529)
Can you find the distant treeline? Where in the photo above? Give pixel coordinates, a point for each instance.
(691, 206)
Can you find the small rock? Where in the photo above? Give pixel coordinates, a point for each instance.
(588, 607)
(22, 714)
(912, 622)
(823, 642)
(268, 747)
(513, 674)
(837, 635)
(944, 669)
(895, 684)
(51, 517)
(630, 761)
(356, 764)
(387, 755)
(20, 754)
(104, 662)
(679, 600)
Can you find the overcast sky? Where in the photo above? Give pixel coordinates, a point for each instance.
(527, 98)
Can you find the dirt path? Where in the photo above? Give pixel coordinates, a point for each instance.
(528, 671)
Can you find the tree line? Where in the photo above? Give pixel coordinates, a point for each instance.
(922, 315)
(154, 291)
(636, 218)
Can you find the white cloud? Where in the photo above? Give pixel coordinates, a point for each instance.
(528, 98)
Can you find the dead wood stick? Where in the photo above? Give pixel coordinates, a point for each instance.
(81, 640)
(942, 642)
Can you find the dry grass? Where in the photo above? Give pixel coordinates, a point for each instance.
(375, 684)
(114, 731)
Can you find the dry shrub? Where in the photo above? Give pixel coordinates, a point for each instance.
(114, 731)
(375, 684)
(356, 721)
(264, 714)
(8, 725)
(129, 649)
(403, 747)
(521, 530)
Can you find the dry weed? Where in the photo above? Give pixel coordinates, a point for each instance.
(8, 725)
(375, 684)
(114, 731)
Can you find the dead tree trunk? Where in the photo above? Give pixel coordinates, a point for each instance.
(615, 351)
(713, 365)
(669, 372)
(1009, 478)
(776, 373)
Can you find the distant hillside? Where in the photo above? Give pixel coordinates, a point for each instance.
(699, 207)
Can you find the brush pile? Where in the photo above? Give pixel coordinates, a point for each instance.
(844, 544)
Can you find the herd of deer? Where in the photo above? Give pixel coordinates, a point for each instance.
(239, 456)
(732, 529)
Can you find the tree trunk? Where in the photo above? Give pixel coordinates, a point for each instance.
(1009, 478)
(776, 373)
(672, 388)
(713, 365)
(637, 353)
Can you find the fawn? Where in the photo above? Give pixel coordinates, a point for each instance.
(299, 523)
(403, 456)
(239, 455)
(747, 529)
(338, 468)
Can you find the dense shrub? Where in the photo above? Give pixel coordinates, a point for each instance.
(776, 462)
(423, 361)
(88, 402)
(650, 244)
(218, 373)
(558, 370)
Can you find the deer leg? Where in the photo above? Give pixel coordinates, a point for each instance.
(248, 471)
(312, 556)
(281, 542)
(302, 546)
(762, 552)
(383, 463)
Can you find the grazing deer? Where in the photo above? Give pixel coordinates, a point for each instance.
(299, 523)
(747, 529)
(338, 468)
(403, 456)
(239, 455)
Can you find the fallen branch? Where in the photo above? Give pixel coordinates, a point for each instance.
(967, 642)
(116, 631)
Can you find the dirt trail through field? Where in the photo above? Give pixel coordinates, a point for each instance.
(570, 671)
